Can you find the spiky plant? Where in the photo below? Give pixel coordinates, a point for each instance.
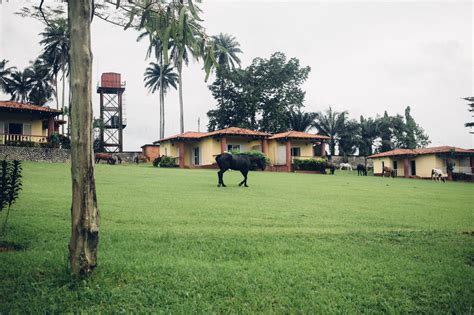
(10, 186)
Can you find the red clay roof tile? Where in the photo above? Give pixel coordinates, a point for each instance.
(29, 107)
(422, 151)
(298, 135)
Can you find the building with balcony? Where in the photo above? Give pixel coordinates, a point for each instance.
(20, 122)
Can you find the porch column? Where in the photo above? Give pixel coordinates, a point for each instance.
(406, 174)
(50, 127)
(288, 155)
(181, 154)
(265, 146)
(323, 149)
(223, 144)
(472, 164)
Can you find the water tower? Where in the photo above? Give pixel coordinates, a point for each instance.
(112, 107)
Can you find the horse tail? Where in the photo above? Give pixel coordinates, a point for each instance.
(218, 156)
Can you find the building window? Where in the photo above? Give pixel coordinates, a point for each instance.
(295, 151)
(233, 148)
(196, 156)
(395, 165)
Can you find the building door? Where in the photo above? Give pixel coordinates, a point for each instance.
(281, 154)
(196, 156)
(413, 167)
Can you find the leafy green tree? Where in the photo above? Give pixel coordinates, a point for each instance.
(349, 138)
(332, 124)
(301, 121)
(161, 79)
(260, 96)
(276, 88)
(384, 125)
(368, 134)
(471, 109)
(237, 110)
(5, 76)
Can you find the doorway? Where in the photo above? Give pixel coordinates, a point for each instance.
(413, 168)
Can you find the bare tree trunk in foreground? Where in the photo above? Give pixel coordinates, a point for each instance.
(84, 212)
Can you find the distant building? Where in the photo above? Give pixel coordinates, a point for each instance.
(20, 122)
(420, 162)
(199, 149)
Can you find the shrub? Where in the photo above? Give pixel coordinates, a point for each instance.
(167, 161)
(309, 165)
(20, 143)
(462, 176)
(10, 185)
(156, 162)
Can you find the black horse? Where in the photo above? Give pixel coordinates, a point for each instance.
(239, 162)
(361, 170)
(331, 167)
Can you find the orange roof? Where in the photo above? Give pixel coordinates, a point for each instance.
(185, 135)
(238, 132)
(15, 106)
(298, 135)
(422, 151)
(232, 131)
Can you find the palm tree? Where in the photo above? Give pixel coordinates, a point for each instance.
(20, 85)
(5, 76)
(56, 44)
(225, 51)
(301, 121)
(160, 78)
(331, 123)
(157, 46)
(41, 82)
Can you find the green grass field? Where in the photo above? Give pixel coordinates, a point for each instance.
(173, 242)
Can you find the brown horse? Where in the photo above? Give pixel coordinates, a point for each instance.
(140, 157)
(108, 157)
(388, 172)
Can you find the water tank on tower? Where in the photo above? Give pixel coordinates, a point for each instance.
(111, 89)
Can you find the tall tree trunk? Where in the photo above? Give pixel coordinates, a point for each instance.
(84, 212)
(162, 103)
(181, 107)
(64, 88)
(56, 96)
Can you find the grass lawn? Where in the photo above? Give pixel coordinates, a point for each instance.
(171, 241)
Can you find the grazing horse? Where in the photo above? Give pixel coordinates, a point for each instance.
(437, 175)
(238, 162)
(141, 157)
(361, 170)
(345, 166)
(388, 172)
(331, 167)
(102, 156)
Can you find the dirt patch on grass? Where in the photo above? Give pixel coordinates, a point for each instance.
(10, 247)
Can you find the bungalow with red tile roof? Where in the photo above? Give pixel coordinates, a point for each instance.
(199, 149)
(21, 122)
(419, 162)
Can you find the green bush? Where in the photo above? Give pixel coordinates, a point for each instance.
(309, 165)
(167, 161)
(462, 176)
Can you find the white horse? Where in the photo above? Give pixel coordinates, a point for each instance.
(345, 166)
(437, 175)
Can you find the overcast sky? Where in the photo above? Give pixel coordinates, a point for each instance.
(365, 57)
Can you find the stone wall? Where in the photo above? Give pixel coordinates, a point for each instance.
(34, 154)
(352, 160)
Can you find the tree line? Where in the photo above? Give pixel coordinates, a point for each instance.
(267, 96)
